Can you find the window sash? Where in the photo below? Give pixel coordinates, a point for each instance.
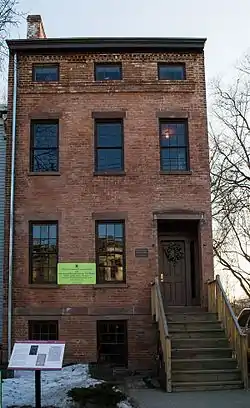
(105, 253)
(37, 330)
(33, 148)
(54, 68)
(179, 68)
(46, 253)
(177, 147)
(176, 168)
(119, 147)
(100, 72)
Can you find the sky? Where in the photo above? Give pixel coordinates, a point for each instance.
(225, 23)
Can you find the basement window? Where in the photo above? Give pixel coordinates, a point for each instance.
(43, 330)
(112, 343)
(45, 73)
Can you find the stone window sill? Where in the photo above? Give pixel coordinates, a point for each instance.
(174, 173)
(44, 173)
(109, 174)
(44, 285)
(110, 286)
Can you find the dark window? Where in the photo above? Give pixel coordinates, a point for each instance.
(46, 73)
(109, 145)
(108, 72)
(174, 145)
(43, 252)
(110, 251)
(43, 330)
(44, 146)
(112, 344)
(172, 72)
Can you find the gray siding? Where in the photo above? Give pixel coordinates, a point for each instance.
(2, 205)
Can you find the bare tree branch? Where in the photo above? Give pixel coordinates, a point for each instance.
(230, 174)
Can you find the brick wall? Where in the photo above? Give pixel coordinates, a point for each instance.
(76, 196)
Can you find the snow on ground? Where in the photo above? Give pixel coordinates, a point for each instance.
(55, 384)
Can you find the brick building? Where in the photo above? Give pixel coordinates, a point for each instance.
(111, 167)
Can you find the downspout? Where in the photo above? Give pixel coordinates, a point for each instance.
(12, 195)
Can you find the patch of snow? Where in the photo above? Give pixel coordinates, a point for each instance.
(124, 404)
(55, 384)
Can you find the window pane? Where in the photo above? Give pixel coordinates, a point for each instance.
(173, 134)
(109, 134)
(171, 72)
(45, 160)
(45, 135)
(109, 159)
(108, 72)
(52, 231)
(173, 159)
(36, 231)
(111, 231)
(46, 73)
(119, 230)
(102, 230)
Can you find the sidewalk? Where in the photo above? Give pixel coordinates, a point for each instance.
(148, 398)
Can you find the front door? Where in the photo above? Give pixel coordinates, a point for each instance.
(175, 271)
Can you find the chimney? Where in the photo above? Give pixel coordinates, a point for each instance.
(35, 27)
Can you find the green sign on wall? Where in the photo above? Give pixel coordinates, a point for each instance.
(76, 273)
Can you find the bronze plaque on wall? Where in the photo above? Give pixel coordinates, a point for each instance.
(141, 252)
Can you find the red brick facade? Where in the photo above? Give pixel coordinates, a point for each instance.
(76, 197)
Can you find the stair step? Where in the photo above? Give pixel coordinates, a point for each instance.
(202, 353)
(191, 317)
(196, 325)
(204, 364)
(206, 375)
(206, 385)
(192, 343)
(186, 309)
(197, 334)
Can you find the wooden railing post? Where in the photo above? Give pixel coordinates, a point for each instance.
(158, 310)
(244, 349)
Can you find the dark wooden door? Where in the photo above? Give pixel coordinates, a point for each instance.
(174, 272)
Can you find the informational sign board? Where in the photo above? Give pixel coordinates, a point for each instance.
(76, 273)
(37, 355)
(141, 252)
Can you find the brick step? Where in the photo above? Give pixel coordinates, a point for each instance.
(206, 375)
(202, 353)
(206, 386)
(204, 364)
(191, 317)
(192, 343)
(197, 325)
(198, 334)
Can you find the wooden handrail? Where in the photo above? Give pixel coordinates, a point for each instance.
(158, 312)
(219, 303)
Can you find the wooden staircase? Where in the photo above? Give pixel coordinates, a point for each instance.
(201, 356)
(200, 349)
